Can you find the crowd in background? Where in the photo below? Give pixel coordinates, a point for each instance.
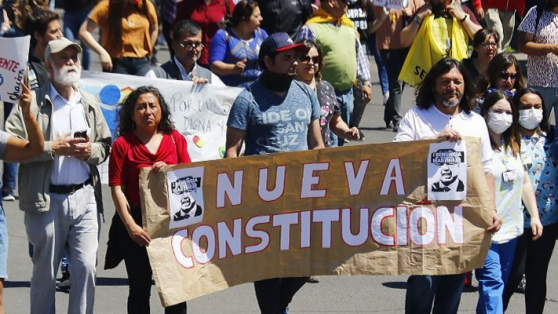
(326, 47)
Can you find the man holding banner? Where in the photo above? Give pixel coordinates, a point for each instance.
(61, 187)
(444, 112)
(276, 114)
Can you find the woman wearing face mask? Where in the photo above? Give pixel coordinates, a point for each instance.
(532, 257)
(308, 71)
(512, 186)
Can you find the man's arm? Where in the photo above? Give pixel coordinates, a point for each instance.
(235, 139)
(100, 146)
(410, 31)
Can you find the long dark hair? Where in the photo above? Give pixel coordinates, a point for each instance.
(424, 91)
(497, 65)
(116, 9)
(309, 45)
(544, 126)
(126, 111)
(511, 135)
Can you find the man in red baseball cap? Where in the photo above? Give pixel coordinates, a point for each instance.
(275, 114)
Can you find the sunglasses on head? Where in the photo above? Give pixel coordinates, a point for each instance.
(504, 76)
(306, 59)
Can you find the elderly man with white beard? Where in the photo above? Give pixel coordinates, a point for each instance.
(60, 188)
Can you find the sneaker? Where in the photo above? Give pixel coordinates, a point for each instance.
(386, 98)
(63, 284)
(8, 198)
(521, 286)
(313, 279)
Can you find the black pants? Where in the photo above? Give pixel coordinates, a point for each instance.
(139, 270)
(393, 60)
(274, 295)
(532, 259)
(131, 66)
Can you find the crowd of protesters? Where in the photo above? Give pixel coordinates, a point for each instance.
(286, 55)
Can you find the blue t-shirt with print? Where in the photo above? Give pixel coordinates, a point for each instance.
(274, 123)
(542, 168)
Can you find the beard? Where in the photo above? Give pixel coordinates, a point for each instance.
(67, 75)
(452, 99)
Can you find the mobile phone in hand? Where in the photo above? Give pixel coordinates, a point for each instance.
(80, 134)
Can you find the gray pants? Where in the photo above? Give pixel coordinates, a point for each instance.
(503, 22)
(71, 222)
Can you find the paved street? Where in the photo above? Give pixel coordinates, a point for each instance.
(359, 294)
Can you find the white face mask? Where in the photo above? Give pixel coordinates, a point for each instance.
(499, 122)
(530, 118)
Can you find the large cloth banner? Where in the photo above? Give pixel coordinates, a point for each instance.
(199, 113)
(13, 62)
(360, 210)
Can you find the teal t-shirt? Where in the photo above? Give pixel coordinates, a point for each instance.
(274, 123)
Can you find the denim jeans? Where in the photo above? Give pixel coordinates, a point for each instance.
(130, 66)
(382, 71)
(72, 23)
(444, 291)
(550, 98)
(345, 99)
(393, 60)
(493, 276)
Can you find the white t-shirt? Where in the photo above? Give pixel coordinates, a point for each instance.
(419, 124)
(508, 195)
(542, 70)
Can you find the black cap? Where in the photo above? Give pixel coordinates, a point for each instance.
(277, 42)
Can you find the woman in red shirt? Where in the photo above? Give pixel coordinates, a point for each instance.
(210, 16)
(147, 138)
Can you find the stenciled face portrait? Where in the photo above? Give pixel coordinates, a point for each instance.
(449, 172)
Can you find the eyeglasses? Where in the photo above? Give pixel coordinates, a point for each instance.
(504, 76)
(189, 45)
(306, 59)
(489, 44)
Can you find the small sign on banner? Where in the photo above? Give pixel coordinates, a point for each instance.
(13, 62)
(392, 4)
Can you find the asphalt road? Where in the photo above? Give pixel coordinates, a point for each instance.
(358, 294)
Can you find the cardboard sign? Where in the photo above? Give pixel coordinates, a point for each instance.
(392, 4)
(360, 210)
(13, 62)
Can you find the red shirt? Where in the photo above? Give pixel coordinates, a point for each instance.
(129, 155)
(208, 16)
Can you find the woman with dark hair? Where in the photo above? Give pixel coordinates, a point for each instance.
(234, 50)
(210, 15)
(308, 71)
(129, 29)
(538, 146)
(512, 186)
(485, 47)
(503, 73)
(147, 139)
